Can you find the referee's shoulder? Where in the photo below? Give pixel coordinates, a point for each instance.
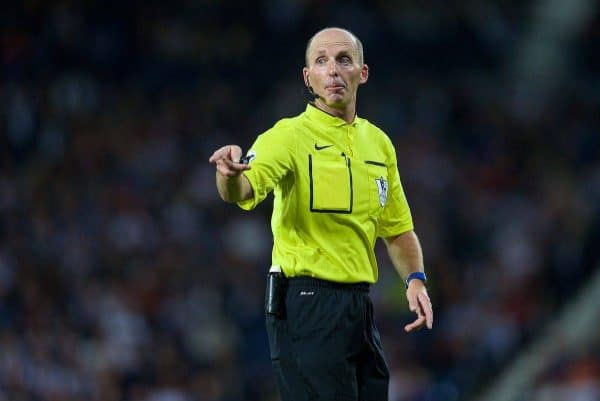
(282, 133)
(375, 131)
(285, 126)
(286, 123)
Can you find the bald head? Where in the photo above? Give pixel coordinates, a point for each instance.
(335, 34)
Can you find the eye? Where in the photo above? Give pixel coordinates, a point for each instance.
(345, 60)
(321, 61)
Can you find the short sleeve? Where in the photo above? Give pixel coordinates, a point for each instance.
(270, 160)
(395, 219)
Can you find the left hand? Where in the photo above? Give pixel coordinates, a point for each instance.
(419, 302)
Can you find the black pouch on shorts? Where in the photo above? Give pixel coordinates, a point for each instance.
(275, 294)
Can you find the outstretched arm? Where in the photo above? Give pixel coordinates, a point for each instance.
(232, 185)
(407, 257)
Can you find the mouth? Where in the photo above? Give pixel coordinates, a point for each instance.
(335, 87)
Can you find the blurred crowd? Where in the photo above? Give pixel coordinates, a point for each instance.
(570, 376)
(123, 276)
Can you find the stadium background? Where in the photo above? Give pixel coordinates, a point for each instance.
(124, 277)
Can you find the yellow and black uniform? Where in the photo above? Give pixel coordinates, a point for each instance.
(336, 188)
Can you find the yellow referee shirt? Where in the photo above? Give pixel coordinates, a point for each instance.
(336, 188)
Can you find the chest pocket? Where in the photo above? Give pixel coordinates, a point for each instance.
(330, 183)
(378, 186)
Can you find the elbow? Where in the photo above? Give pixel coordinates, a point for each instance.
(225, 196)
(231, 197)
(395, 238)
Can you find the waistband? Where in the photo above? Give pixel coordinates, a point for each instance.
(315, 282)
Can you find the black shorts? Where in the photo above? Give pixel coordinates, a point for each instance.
(326, 346)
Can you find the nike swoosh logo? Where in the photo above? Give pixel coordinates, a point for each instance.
(317, 147)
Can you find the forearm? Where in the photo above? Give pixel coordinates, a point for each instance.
(233, 189)
(405, 253)
(407, 257)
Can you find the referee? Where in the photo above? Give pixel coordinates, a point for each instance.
(337, 188)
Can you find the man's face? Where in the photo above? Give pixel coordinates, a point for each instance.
(334, 68)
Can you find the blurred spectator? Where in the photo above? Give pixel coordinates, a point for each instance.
(571, 377)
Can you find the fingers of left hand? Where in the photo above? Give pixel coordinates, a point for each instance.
(425, 307)
(418, 323)
(413, 302)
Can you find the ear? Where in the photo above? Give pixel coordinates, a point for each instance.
(305, 75)
(364, 74)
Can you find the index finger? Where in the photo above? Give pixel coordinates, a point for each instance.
(416, 324)
(218, 154)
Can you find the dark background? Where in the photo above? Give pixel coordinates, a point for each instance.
(123, 276)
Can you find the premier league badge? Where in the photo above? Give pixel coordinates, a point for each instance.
(382, 187)
(248, 158)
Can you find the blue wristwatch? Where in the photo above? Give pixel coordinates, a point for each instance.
(418, 275)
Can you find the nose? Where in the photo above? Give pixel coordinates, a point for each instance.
(332, 68)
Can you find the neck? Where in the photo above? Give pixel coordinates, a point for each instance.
(347, 113)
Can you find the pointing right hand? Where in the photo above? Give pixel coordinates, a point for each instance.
(227, 160)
